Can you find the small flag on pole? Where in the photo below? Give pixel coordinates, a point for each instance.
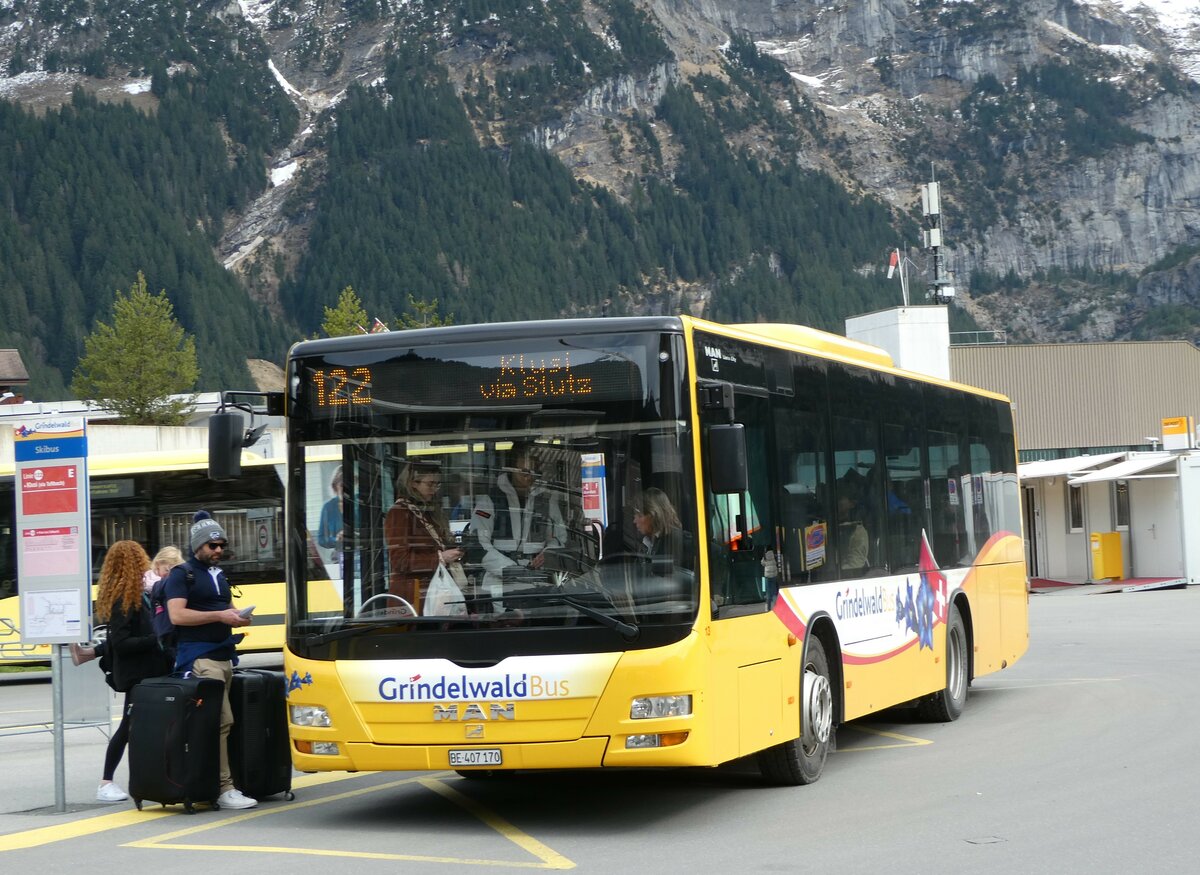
(378, 326)
(893, 260)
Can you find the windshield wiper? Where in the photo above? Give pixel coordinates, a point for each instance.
(628, 631)
(315, 638)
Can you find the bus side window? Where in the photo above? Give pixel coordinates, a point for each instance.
(802, 443)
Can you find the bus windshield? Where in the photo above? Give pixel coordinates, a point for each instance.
(492, 496)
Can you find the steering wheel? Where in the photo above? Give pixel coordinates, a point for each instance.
(386, 595)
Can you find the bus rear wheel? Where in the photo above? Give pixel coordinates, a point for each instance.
(801, 760)
(947, 704)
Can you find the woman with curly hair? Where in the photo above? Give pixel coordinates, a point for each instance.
(122, 603)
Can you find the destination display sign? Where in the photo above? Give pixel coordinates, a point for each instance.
(493, 377)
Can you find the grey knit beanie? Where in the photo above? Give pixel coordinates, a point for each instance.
(205, 529)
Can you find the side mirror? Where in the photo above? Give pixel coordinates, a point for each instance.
(225, 437)
(727, 468)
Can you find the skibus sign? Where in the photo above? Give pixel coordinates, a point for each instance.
(54, 537)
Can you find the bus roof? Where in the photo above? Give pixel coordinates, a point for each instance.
(487, 331)
(800, 338)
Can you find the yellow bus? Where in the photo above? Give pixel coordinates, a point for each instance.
(150, 498)
(682, 543)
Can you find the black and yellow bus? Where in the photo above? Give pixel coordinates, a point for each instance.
(842, 537)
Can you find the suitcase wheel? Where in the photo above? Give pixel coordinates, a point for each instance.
(138, 803)
(289, 795)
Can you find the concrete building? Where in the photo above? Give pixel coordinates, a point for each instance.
(1103, 497)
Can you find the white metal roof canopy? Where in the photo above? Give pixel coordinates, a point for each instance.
(1137, 467)
(1045, 468)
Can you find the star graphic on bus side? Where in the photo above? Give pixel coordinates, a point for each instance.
(931, 598)
(295, 682)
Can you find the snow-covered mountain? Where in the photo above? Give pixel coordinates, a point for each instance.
(1064, 132)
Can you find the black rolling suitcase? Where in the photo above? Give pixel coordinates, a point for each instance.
(174, 741)
(259, 750)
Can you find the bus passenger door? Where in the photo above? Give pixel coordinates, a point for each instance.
(740, 525)
(747, 639)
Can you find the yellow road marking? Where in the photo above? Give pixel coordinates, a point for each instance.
(548, 858)
(86, 826)
(552, 859)
(906, 740)
(32, 838)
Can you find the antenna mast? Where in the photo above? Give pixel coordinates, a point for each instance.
(941, 286)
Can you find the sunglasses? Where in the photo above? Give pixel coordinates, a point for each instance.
(213, 545)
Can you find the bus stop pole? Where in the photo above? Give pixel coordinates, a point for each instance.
(60, 776)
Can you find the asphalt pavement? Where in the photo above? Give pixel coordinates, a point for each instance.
(27, 743)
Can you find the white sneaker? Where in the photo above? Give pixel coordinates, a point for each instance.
(110, 792)
(235, 799)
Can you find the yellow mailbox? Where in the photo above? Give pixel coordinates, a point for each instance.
(1107, 560)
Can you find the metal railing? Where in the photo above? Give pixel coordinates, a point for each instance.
(978, 338)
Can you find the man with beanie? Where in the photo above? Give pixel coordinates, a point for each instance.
(201, 608)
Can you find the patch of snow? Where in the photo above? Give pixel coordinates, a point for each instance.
(137, 86)
(782, 49)
(14, 84)
(1130, 53)
(280, 175)
(1178, 20)
(246, 250)
(283, 83)
(256, 11)
(810, 81)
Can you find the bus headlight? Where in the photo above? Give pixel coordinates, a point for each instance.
(649, 707)
(657, 739)
(309, 715)
(320, 748)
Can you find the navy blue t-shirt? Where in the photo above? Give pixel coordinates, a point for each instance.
(203, 594)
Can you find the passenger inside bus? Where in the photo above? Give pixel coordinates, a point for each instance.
(417, 534)
(853, 540)
(663, 547)
(515, 523)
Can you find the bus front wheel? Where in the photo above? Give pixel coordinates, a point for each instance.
(947, 704)
(801, 760)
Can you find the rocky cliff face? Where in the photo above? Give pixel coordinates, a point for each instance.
(971, 91)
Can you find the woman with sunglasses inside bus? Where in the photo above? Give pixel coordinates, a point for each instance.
(417, 533)
(122, 603)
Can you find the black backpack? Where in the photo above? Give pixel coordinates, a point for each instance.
(160, 618)
(104, 660)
